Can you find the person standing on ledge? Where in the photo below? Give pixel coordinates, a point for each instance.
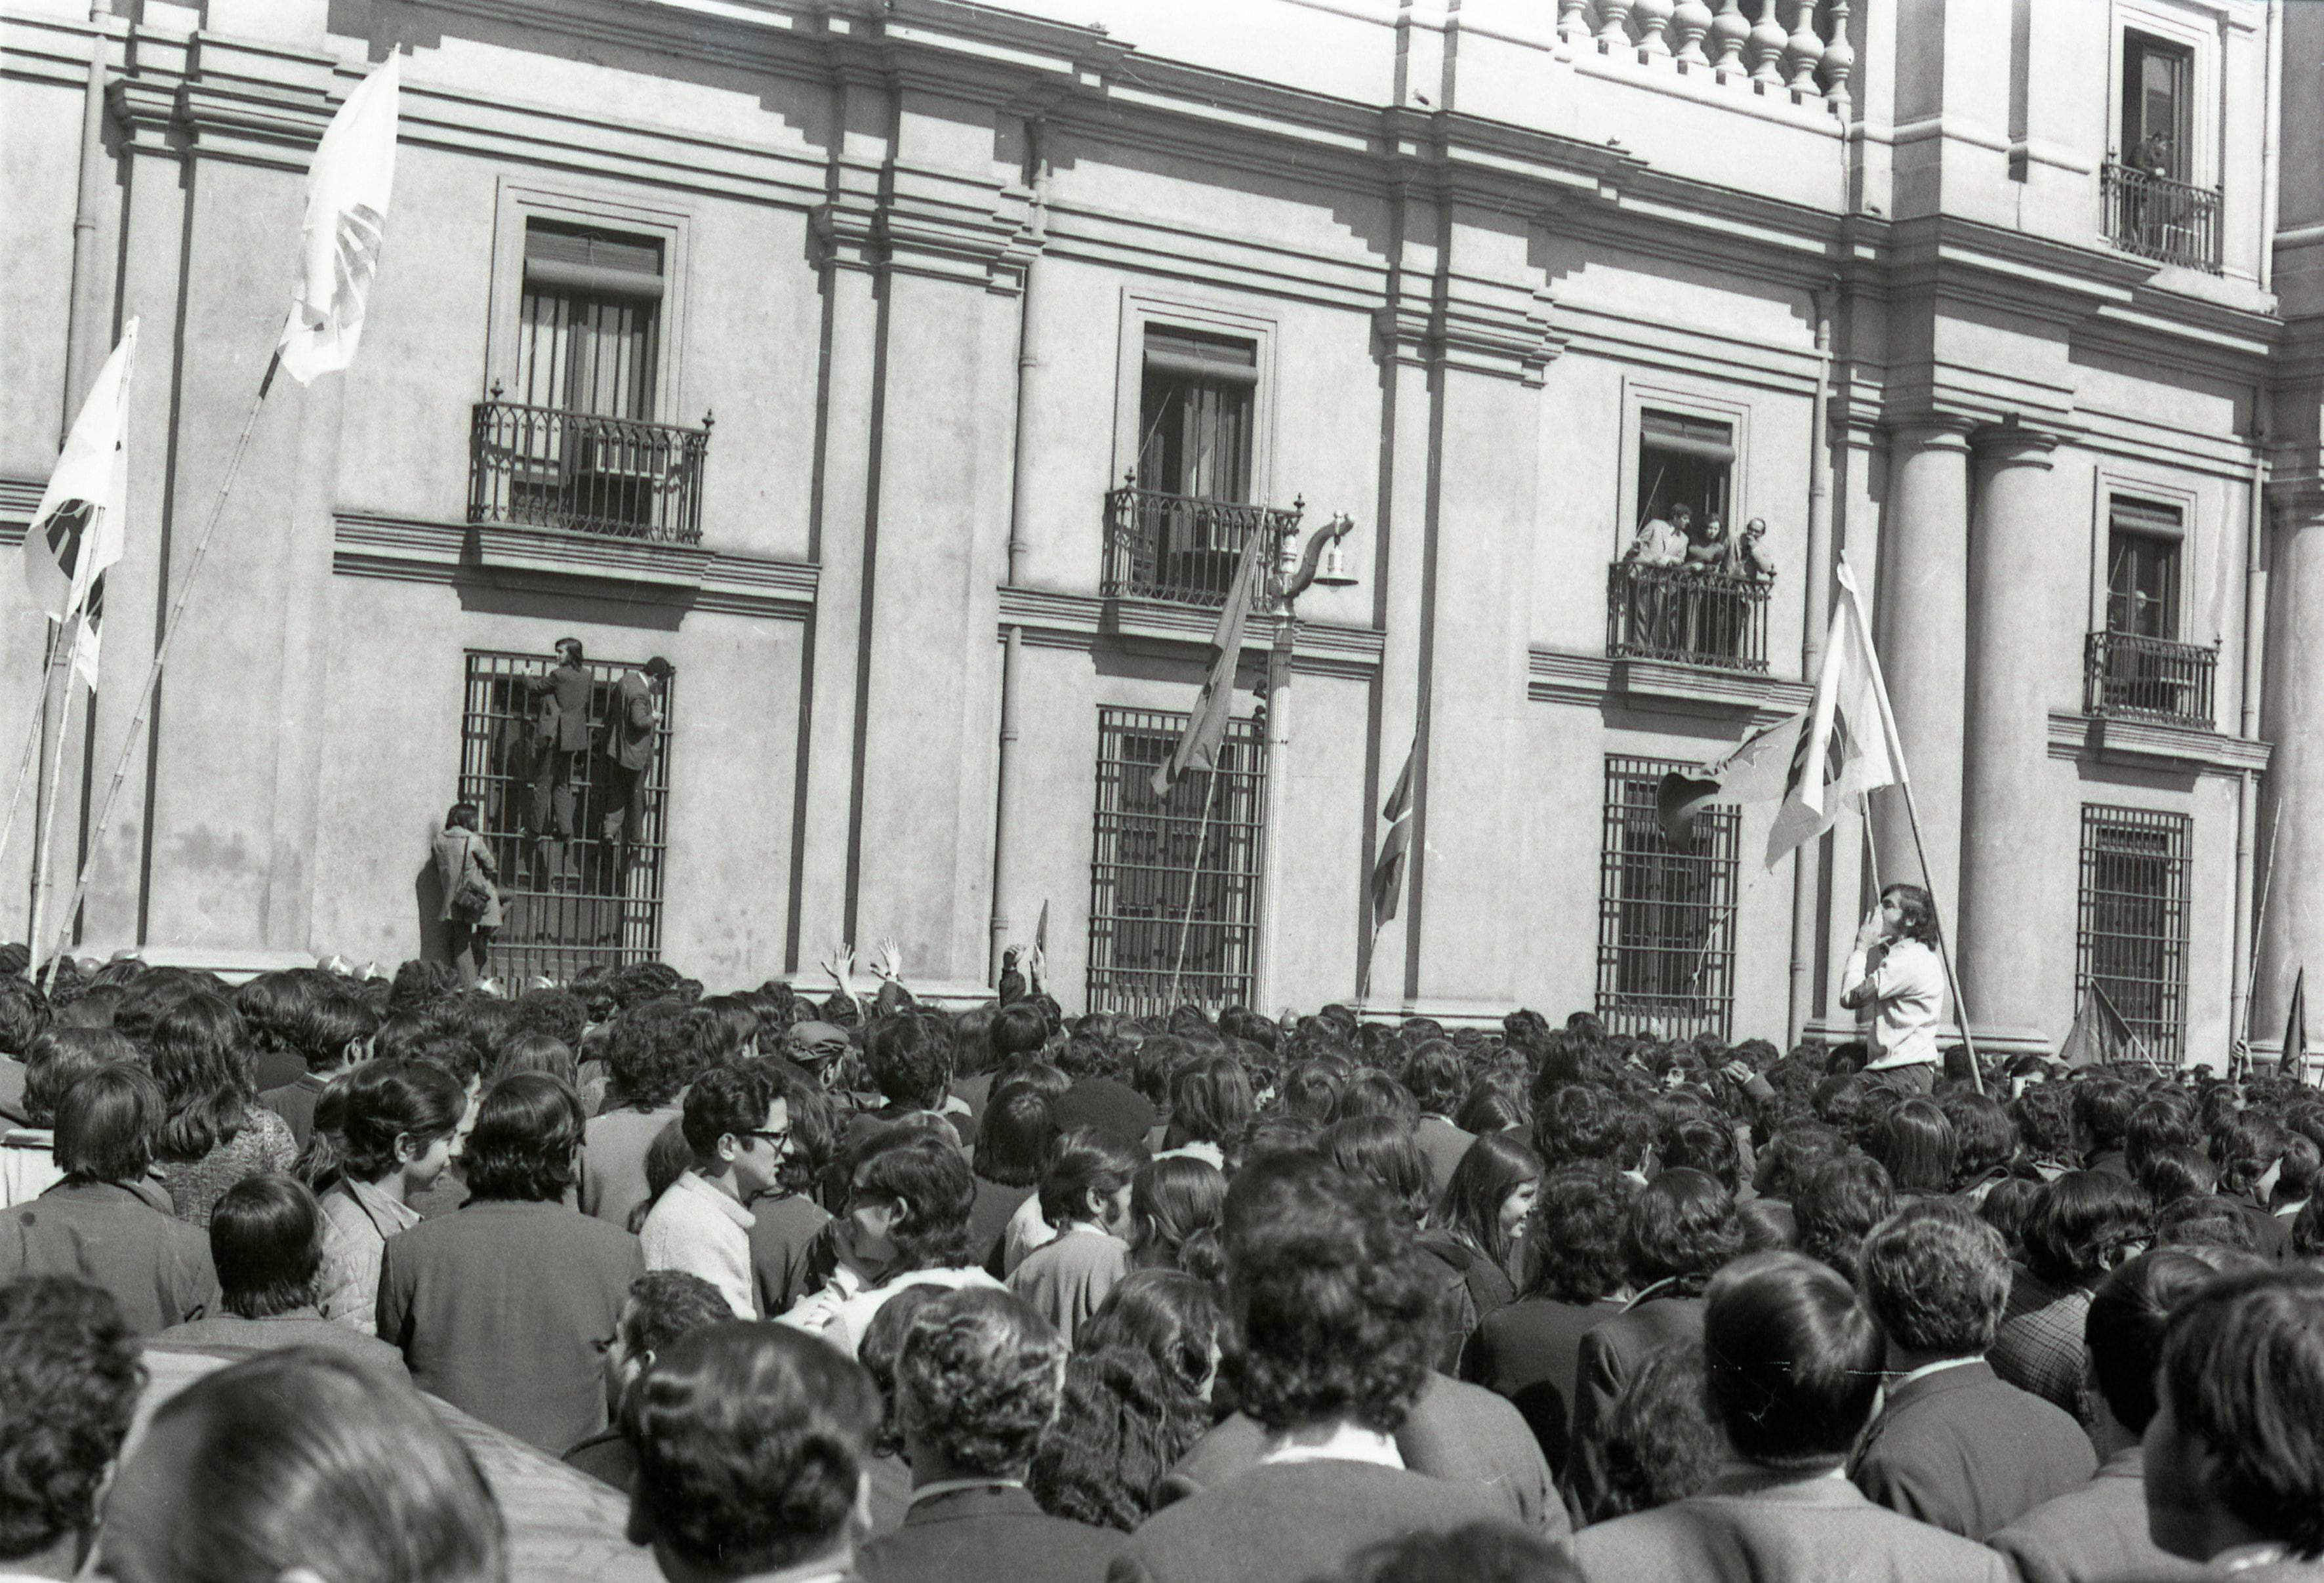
(1895, 970)
(633, 731)
(560, 740)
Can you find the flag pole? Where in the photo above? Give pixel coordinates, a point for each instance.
(28, 757)
(2259, 918)
(1944, 944)
(170, 629)
(68, 640)
(1194, 882)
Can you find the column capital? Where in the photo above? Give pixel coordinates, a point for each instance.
(1929, 430)
(2010, 444)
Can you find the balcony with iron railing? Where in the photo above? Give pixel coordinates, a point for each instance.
(545, 466)
(2127, 676)
(2155, 216)
(1687, 615)
(1182, 548)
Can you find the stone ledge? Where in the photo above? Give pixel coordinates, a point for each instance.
(2151, 744)
(1054, 618)
(1558, 676)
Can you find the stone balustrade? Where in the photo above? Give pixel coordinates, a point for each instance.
(1795, 48)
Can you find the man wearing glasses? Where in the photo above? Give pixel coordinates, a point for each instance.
(737, 1125)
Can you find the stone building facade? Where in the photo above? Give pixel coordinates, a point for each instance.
(910, 375)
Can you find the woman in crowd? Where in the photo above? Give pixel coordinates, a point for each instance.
(1013, 1140)
(470, 878)
(1478, 1225)
(217, 1132)
(1175, 1203)
(382, 1136)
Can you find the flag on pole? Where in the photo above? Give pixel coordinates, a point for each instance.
(339, 246)
(77, 528)
(1757, 771)
(2293, 1061)
(1041, 931)
(1207, 727)
(1849, 745)
(2099, 1033)
(1387, 874)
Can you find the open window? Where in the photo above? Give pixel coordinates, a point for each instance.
(590, 326)
(1683, 460)
(2157, 128)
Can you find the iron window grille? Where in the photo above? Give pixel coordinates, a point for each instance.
(1666, 912)
(1173, 881)
(2132, 937)
(585, 898)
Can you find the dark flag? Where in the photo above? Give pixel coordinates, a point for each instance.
(1387, 874)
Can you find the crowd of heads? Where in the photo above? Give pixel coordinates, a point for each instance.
(1300, 1253)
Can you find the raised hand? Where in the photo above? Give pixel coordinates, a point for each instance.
(889, 962)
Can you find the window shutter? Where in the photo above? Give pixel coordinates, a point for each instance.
(2144, 516)
(566, 258)
(1699, 437)
(1193, 355)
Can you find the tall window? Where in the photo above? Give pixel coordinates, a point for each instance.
(589, 328)
(1194, 412)
(1683, 461)
(579, 849)
(2143, 569)
(2132, 941)
(2157, 100)
(1665, 912)
(1173, 884)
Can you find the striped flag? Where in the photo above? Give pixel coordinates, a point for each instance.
(1387, 874)
(1207, 727)
(347, 190)
(76, 529)
(1849, 744)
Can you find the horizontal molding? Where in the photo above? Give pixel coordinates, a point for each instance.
(2145, 744)
(402, 549)
(1054, 618)
(1591, 680)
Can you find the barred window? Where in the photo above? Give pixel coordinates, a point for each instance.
(2132, 940)
(1174, 883)
(578, 837)
(1666, 912)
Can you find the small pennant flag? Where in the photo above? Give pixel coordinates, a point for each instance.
(2293, 1062)
(1849, 744)
(77, 530)
(2099, 1033)
(347, 190)
(1207, 727)
(1387, 874)
(1041, 932)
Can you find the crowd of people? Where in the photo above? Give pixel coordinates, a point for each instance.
(855, 1288)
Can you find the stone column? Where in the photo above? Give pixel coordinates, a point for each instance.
(2291, 819)
(2010, 864)
(1923, 602)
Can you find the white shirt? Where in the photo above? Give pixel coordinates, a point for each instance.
(28, 1166)
(1027, 1230)
(1908, 998)
(696, 1228)
(1348, 1442)
(842, 1320)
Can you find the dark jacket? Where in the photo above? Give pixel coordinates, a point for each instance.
(1608, 1357)
(630, 725)
(1967, 1452)
(2093, 1534)
(496, 1309)
(1530, 1352)
(124, 1239)
(563, 724)
(992, 1534)
(294, 1102)
(1283, 1522)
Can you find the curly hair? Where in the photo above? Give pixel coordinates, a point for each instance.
(1336, 1310)
(752, 1441)
(878, 1352)
(1119, 1427)
(201, 1057)
(1680, 1230)
(909, 1057)
(1660, 1446)
(522, 1146)
(2045, 1115)
(1837, 1206)
(1985, 1139)
(1936, 1278)
(978, 1380)
(1575, 1239)
(1210, 1100)
(1585, 1121)
(2243, 1372)
(649, 1051)
(70, 1377)
(1175, 1318)
(2079, 1226)
(1478, 1553)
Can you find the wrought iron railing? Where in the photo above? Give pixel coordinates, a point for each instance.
(1178, 547)
(2148, 678)
(1687, 614)
(553, 469)
(2157, 217)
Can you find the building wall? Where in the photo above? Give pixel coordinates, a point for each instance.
(909, 263)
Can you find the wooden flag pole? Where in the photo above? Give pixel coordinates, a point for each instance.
(1193, 882)
(170, 629)
(68, 640)
(28, 757)
(1944, 945)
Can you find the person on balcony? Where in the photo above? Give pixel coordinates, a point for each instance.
(1748, 555)
(1658, 542)
(633, 728)
(1656, 623)
(560, 741)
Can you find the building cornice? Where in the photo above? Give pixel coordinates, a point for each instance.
(1704, 692)
(2144, 745)
(1057, 619)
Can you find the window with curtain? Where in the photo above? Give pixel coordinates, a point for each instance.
(1196, 401)
(588, 332)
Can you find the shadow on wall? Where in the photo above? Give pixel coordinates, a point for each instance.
(427, 897)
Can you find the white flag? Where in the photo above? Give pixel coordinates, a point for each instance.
(339, 247)
(1851, 745)
(76, 529)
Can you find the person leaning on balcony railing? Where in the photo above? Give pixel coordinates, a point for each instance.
(1658, 542)
(1653, 619)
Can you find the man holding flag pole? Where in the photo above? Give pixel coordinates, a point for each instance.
(347, 189)
(1843, 746)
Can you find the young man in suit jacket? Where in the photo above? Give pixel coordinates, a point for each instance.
(1955, 1445)
(1792, 1371)
(2098, 1532)
(2234, 1454)
(560, 740)
(1338, 1318)
(977, 1383)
